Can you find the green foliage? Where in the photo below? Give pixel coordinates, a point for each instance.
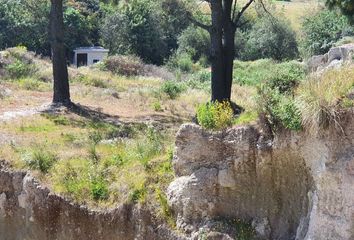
(172, 89)
(137, 194)
(322, 30)
(91, 81)
(246, 117)
(321, 99)
(286, 77)
(99, 189)
(282, 76)
(195, 42)
(215, 116)
(145, 28)
(270, 38)
(40, 159)
(200, 80)
(181, 62)
(280, 109)
(165, 208)
(18, 69)
(346, 7)
(30, 84)
(157, 106)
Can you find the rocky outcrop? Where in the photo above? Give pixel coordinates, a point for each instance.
(335, 58)
(298, 186)
(29, 211)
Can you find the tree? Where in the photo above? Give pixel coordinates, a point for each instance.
(346, 6)
(60, 70)
(270, 38)
(322, 30)
(225, 20)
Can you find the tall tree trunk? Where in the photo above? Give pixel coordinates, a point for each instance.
(217, 56)
(222, 35)
(60, 70)
(229, 55)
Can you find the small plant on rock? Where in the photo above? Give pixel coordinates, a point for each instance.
(215, 116)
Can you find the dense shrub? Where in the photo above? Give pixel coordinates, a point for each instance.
(99, 189)
(282, 76)
(322, 30)
(181, 62)
(195, 42)
(143, 28)
(172, 89)
(280, 109)
(215, 116)
(18, 69)
(18, 63)
(270, 38)
(124, 65)
(286, 77)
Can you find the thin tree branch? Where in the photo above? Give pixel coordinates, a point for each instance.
(234, 11)
(240, 13)
(199, 24)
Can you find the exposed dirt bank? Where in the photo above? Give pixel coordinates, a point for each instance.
(296, 186)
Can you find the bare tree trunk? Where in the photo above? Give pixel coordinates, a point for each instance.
(222, 35)
(217, 56)
(60, 70)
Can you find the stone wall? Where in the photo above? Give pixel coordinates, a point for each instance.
(298, 186)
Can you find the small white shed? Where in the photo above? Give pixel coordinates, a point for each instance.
(86, 56)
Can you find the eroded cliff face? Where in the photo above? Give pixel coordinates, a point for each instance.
(297, 186)
(29, 211)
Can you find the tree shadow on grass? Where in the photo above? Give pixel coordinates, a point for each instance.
(96, 115)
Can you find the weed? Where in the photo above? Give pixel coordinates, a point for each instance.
(99, 189)
(138, 194)
(172, 89)
(40, 159)
(246, 117)
(215, 116)
(18, 69)
(92, 81)
(319, 100)
(165, 209)
(280, 109)
(30, 84)
(157, 106)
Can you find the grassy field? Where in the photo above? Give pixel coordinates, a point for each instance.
(116, 144)
(296, 10)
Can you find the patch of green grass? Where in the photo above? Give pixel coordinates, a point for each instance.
(173, 89)
(165, 208)
(157, 106)
(92, 80)
(31, 84)
(40, 159)
(38, 127)
(246, 117)
(280, 75)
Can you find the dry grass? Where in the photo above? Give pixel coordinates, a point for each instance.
(320, 99)
(296, 10)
